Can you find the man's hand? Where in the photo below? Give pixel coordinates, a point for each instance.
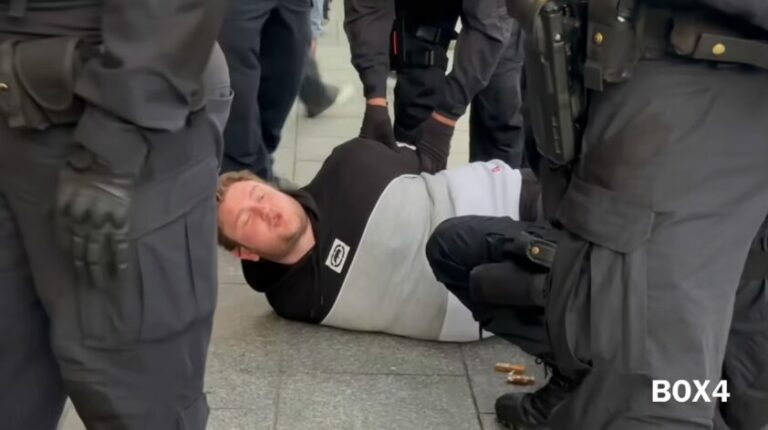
(376, 123)
(93, 208)
(434, 143)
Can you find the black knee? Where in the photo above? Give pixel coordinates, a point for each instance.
(441, 252)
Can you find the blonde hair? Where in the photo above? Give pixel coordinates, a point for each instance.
(225, 182)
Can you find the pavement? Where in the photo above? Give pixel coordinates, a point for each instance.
(267, 373)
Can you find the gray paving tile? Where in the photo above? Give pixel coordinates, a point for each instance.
(243, 314)
(489, 422)
(311, 401)
(343, 128)
(456, 159)
(336, 57)
(254, 356)
(240, 390)
(306, 171)
(325, 349)
(230, 271)
(460, 141)
(488, 384)
(317, 148)
(285, 160)
(69, 419)
(239, 419)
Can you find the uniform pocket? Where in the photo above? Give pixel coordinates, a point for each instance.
(597, 300)
(172, 279)
(177, 264)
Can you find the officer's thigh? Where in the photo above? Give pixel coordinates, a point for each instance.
(30, 386)
(664, 204)
(132, 357)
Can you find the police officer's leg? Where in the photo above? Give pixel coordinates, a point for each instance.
(455, 248)
(496, 119)
(417, 93)
(746, 358)
(218, 89)
(30, 387)
(662, 207)
(240, 40)
(284, 49)
(131, 357)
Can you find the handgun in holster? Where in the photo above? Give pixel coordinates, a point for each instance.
(556, 94)
(416, 44)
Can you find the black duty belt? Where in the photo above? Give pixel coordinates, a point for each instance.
(702, 36)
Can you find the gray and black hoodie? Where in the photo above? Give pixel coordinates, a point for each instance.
(372, 212)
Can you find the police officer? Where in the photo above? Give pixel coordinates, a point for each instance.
(108, 166)
(266, 43)
(486, 71)
(658, 210)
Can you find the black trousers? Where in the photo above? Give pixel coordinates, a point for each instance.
(460, 244)
(496, 121)
(314, 93)
(131, 357)
(266, 44)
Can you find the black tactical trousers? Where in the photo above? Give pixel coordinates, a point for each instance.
(496, 122)
(266, 44)
(669, 191)
(130, 357)
(460, 244)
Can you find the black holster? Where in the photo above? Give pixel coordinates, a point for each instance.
(556, 94)
(37, 82)
(416, 44)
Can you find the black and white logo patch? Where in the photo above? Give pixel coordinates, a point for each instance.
(338, 256)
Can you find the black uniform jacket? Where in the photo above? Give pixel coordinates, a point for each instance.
(148, 75)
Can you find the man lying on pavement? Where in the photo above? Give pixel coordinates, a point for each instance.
(348, 250)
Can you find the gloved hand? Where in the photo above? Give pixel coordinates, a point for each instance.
(377, 125)
(434, 145)
(93, 208)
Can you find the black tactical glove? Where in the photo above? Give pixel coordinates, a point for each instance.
(93, 208)
(434, 145)
(377, 125)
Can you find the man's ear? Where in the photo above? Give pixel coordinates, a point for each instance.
(245, 254)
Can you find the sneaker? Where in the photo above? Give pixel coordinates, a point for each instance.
(339, 96)
(531, 411)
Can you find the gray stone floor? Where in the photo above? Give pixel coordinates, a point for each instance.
(266, 373)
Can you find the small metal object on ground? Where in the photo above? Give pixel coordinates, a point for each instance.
(515, 379)
(517, 369)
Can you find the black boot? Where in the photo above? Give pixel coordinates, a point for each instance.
(531, 411)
